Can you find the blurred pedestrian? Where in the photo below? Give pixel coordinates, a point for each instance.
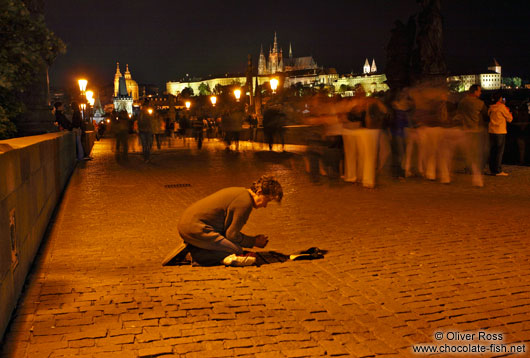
(253, 123)
(77, 128)
(430, 115)
(273, 125)
(232, 124)
(145, 130)
(121, 133)
(159, 128)
(499, 115)
(472, 113)
(401, 106)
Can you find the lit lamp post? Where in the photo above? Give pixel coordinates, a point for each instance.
(213, 99)
(237, 93)
(274, 84)
(150, 111)
(188, 105)
(82, 87)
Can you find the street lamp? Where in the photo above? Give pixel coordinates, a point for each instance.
(237, 93)
(188, 104)
(82, 85)
(214, 100)
(274, 84)
(150, 111)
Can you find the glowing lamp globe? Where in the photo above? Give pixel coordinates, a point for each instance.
(237, 93)
(274, 84)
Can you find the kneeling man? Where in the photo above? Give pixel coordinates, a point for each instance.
(211, 227)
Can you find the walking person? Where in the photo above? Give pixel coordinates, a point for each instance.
(77, 128)
(159, 128)
(472, 113)
(499, 115)
(273, 125)
(121, 132)
(211, 227)
(232, 124)
(145, 130)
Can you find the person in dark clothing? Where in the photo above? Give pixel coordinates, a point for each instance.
(121, 132)
(211, 227)
(232, 124)
(253, 123)
(145, 130)
(63, 122)
(78, 129)
(273, 125)
(197, 124)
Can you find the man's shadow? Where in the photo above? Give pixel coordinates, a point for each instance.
(272, 257)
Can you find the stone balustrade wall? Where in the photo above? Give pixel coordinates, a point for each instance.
(34, 171)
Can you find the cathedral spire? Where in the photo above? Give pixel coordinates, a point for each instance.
(374, 67)
(262, 63)
(117, 77)
(127, 72)
(366, 67)
(275, 48)
(290, 51)
(118, 73)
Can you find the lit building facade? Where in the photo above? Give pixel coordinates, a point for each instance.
(370, 80)
(489, 80)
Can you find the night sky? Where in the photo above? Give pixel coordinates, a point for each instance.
(162, 40)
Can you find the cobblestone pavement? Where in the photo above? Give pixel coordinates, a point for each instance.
(406, 260)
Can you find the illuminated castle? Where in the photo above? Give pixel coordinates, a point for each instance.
(276, 63)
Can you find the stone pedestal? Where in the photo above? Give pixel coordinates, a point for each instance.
(38, 117)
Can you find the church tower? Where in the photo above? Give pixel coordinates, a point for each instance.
(495, 67)
(117, 79)
(127, 72)
(373, 69)
(366, 67)
(262, 63)
(132, 86)
(273, 57)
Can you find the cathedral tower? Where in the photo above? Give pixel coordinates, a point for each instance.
(262, 63)
(373, 69)
(366, 67)
(117, 79)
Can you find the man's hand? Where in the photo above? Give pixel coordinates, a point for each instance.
(261, 241)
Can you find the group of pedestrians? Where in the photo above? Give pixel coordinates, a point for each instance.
(74, 124)
(421, 129)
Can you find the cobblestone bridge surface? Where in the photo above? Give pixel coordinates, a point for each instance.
(406, 260)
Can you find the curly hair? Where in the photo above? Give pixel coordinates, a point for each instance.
(268, 185)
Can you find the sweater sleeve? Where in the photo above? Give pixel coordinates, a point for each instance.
(236, 217)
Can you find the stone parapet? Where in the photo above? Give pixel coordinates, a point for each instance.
(33, 173)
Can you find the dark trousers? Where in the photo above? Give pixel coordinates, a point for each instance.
(121, 141)
(159, 137)
(497, 142)
(147, 141)
(397, 144)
